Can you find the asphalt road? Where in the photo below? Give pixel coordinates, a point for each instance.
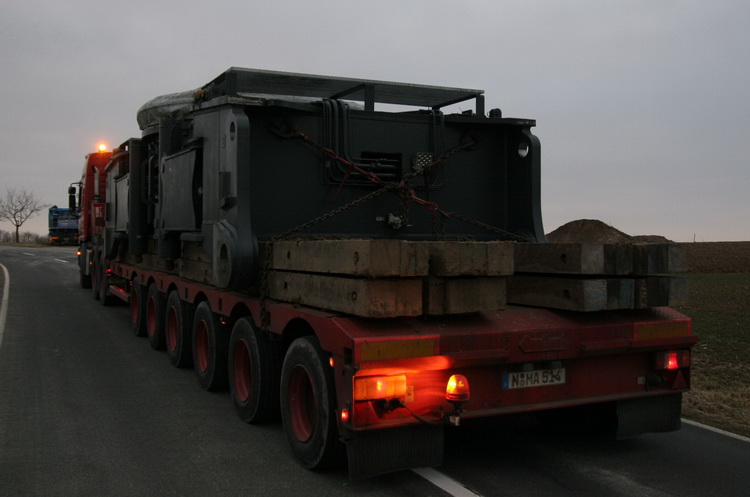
(88, 409)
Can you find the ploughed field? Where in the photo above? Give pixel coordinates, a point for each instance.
(719, 283)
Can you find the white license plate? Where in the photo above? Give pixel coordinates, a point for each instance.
(534, 378)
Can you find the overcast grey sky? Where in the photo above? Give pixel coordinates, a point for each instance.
(641, 105)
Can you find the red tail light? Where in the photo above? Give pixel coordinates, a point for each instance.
(673, 359)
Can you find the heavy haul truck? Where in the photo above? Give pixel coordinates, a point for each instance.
(63, 226)
(350, 257)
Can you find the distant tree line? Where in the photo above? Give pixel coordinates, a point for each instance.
(23, 237)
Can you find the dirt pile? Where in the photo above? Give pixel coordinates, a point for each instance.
(703, 257)
(588, 231)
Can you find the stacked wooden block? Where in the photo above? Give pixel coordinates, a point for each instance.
(389, 278)
(596, 276)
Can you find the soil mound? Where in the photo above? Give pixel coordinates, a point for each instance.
(588, 231)
(651, 239)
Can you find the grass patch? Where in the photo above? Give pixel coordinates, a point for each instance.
(720, 394)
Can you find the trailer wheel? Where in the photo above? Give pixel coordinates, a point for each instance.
(85, 280)
(308, 405)
(94, 279)
(177, 331)
(155, 317)
(254, 373)
(137, 308)
(210, 343)
(105, 298)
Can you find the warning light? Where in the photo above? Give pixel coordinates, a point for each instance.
(457, 393)
(102, 147)
(457, 389)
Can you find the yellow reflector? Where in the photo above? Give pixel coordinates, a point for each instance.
(379, 387)
(457, 388)
(653, 331)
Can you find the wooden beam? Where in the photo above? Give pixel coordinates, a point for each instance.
(462, 295)
(574, 294)
(659, 258)
(368, 258)
(573, 258)
(596, 294)
(658, 291)
(639, 259)
(453, 258)
(376, 298)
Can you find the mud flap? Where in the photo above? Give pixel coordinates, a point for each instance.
(648, 415)
(375, 452)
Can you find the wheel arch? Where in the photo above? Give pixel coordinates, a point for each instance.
(297, 328)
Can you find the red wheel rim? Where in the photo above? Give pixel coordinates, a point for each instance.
(151, 317)
(302, 403)
(201, 346)
(241, 370)
(171, 328)
(134, 304)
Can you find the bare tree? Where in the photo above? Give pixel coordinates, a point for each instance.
(18, 206)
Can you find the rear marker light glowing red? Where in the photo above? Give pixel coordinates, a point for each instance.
(673, 359)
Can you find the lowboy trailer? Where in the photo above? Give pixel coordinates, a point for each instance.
(345, 256)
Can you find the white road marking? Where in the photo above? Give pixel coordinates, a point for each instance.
(28, 253)
(445, 483)
(716, 430)
(622, 483)
(4, 302)
(457, 489)
(60, 260)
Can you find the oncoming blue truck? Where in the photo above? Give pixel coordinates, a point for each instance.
(63, 226)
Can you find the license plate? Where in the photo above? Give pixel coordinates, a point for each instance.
(534, 378)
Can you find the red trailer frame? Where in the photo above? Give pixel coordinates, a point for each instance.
(394, 372)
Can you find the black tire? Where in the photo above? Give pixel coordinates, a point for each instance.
(105, 298)
(177, 331)
(210, 343)
(254, 373)
(308, 405)
(155, 317)
(137, 308)
(95, 279)
(85, 279)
